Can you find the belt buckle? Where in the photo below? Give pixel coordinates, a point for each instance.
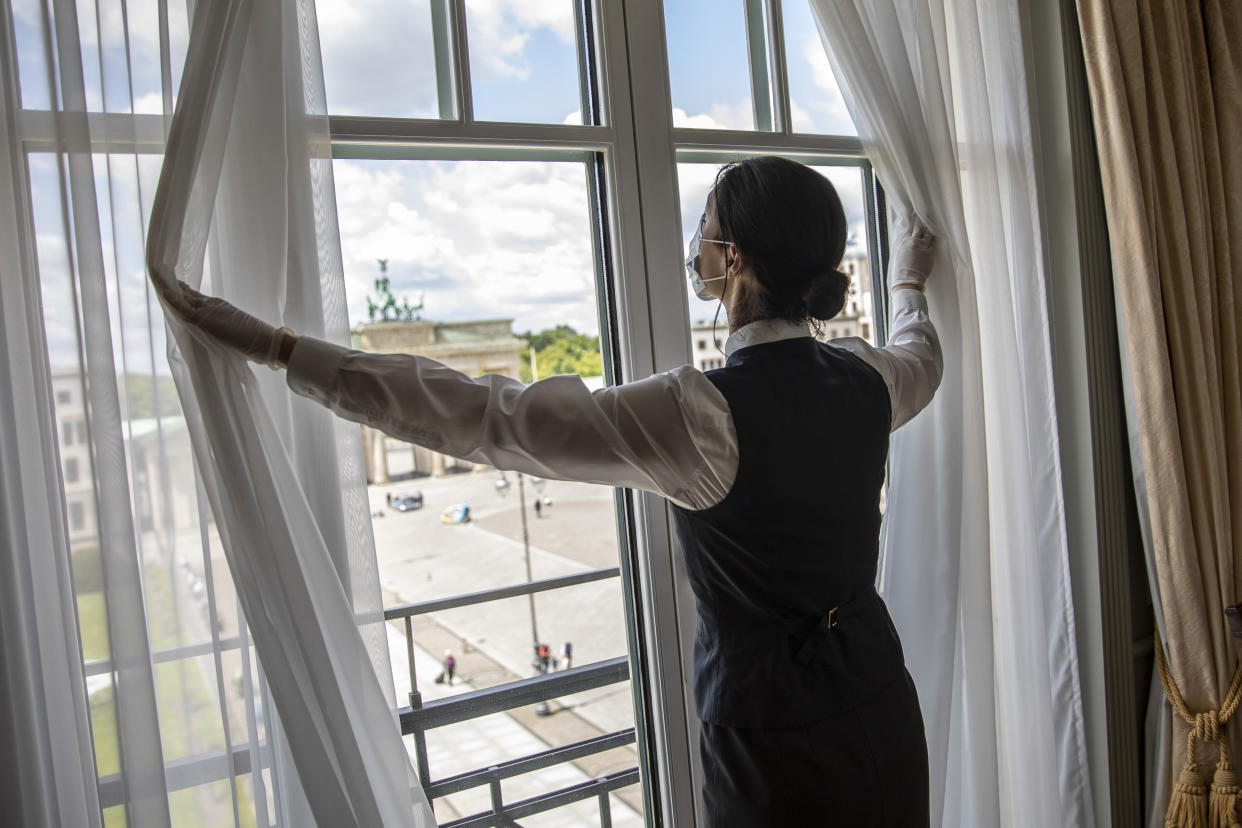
(832, 617)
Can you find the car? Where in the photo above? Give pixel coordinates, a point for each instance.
(407, 502)
(457, 513)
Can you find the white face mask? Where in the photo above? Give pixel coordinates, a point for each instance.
(697, 282)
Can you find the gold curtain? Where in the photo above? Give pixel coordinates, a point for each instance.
(1167, 107)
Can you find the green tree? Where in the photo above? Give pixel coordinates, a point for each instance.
(142, 395)
(561, 350)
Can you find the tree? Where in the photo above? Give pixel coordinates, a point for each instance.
(561, 350)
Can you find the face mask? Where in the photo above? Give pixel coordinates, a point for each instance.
(697, 282)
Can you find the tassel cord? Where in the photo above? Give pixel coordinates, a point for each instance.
(1189, 804)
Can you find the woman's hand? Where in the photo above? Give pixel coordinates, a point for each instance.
(913, 256)
(234, 328)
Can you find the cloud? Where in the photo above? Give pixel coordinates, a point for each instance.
(499, 31)
(831, 106)
(738, 115)
(378, 58)
(480, 238)
(802, 120)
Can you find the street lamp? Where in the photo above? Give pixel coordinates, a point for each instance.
(502, 489)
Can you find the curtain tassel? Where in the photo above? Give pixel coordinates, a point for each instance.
(1188, 806)
(1223, 804)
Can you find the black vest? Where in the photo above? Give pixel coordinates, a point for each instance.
(796, 536)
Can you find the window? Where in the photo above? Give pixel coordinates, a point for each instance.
(503, 185)
(77, 516)
(494, 255)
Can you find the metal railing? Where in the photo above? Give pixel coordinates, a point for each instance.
(419, 717)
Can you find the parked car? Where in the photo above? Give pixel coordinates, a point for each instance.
(407, 502)
(457, 513)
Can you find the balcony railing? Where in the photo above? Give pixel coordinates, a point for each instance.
(417, 718)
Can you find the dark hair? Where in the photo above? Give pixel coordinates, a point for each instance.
(787, 220)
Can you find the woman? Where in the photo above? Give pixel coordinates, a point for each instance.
(774, 466)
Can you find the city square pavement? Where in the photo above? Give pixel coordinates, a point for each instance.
(421, 558)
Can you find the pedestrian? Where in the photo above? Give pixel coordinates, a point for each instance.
(538, 508)
(388, 498)
(450, 666)
(545, 657)
(799, 677)
(567, 655)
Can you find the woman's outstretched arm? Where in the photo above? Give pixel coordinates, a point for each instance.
(671, 433)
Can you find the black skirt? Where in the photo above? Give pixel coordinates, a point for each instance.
(863, 767)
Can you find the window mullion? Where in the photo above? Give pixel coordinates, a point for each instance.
(448, 35)
(877, 244)
(588, 84)
(768, 143)
(779, 70)
(651, 312)
(757, 54)
(461, 48)
(442, 40)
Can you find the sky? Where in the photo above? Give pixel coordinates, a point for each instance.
(472, 239)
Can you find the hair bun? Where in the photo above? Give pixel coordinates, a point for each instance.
(826, 297)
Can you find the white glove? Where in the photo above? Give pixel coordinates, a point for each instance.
(232, 327)
(912, 259)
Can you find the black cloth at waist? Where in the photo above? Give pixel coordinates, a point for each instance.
(753, 673)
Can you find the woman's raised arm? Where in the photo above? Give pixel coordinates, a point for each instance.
(670, 433)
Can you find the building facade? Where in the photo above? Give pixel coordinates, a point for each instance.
(75, 457)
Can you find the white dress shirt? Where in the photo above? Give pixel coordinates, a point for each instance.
(670, 433)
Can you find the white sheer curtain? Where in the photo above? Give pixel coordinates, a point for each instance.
(975, 560)
(113, 554)
(247, 171)
(43, 711)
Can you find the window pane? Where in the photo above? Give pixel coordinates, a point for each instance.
(120, 48)
(815, 100)
(856, 319)
(707, 63)
(31, 56)
(378, 57)
(524, 61)
(489, 268)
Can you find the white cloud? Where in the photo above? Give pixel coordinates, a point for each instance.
(499, 31)
(378, 58)
(832, 104)
(149, 104)
(479, 239)
(719, 116)
(802, 120)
